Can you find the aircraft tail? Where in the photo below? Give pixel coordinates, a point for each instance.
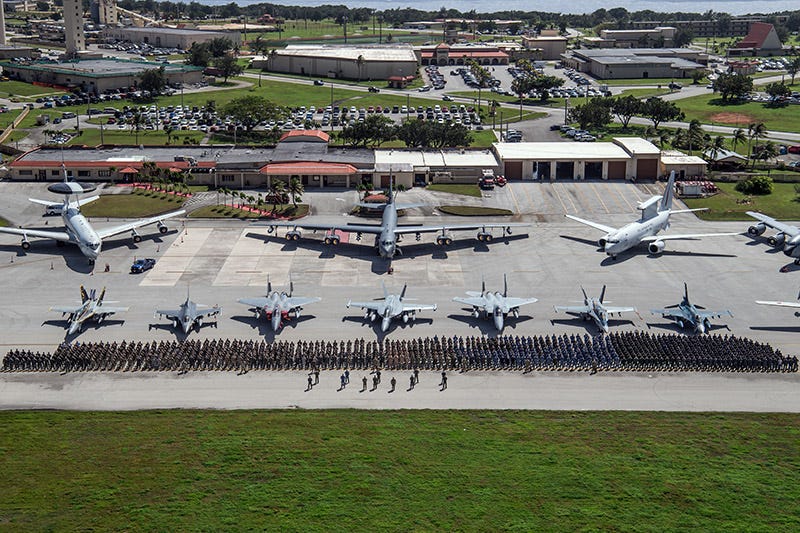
(291, 284)
(385, 292)
(483, 285)
(666, 201)
(102, 295)
(84, 295)
(505, 286)
(603, 294)
(585, 297)
(403, 294)
(685, 291)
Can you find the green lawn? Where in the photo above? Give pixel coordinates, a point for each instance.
(293, 470)
(645, 93)
(91, 137)
(473, 211)
(708, 108)
(645, 81)
(135, 205)
(221, 211)
(781, 204)
(4, 223)
(20, 88)
(456, 188)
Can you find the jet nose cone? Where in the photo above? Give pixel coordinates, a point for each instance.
(498, 322)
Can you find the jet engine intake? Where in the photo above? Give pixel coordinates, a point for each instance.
(757, 229)
(777, 240)
(656, 247)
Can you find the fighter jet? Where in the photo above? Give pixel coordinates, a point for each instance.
(391, 306)
(277, 306)
(189, 314)
(77, 229)
(687, 314)
(389, 232)
(654, 218)
(787, 236)
(795, 305)
(595, 309)
(494, 304)
(92, 307)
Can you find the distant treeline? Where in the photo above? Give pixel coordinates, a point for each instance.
(618, 17)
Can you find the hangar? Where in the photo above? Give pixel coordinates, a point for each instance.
(624, 158)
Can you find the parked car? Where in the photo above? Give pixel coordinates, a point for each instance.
(500, 181)
(794, 149)
(319, 82)
(486, 183)
(142, 265)
(374, 89)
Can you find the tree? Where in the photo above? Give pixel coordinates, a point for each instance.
(657, 111)
(521, 86)
(153, 80)
(169, 129)
(755, 131)
(714, 148)
(375, 130)
(733, 86)
(793, 67)
(778, 91)
(42, 6)
(198, 55)
(277, 189)
(542, 84)
(219, 46)
(738, 137)
(251, 110)
(697, 75)
(596, 113)
(696, 135)
(683, 37)
(228, 66)
(296, 190)
(760, 185)
(626, 108)
(360, 62)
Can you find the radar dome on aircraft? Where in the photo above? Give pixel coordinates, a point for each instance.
(71, 187)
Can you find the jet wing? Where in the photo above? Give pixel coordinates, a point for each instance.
(575, 309)
(106, 310)
(207, 311)
(620, 309)
(169, 313)
(668, 313)
(373, 306)
(46, 203)
(715, 314)
(116, 230)
(254, 302)
(56, 235)
(474, 302)
(686, 237)
(511, 303)
(595, 225)
(779, 304)
(355, 228)
(457, 227)
(64, 309)
(775, 224)
(300, 301)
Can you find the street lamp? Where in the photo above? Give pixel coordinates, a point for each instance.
(566, 110)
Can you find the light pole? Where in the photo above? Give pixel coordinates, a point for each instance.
(331, 97)
(566, 110)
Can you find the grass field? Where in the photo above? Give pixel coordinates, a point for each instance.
(20, 88)
(138, 204)
(456, 188)
(781, 204)
(220, 211)
(399, 471)
(646, 81)
(4, 223)
(91, 137)
(473, 211)
(709, 108)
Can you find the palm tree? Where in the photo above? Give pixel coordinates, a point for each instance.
(738, 137)
(694, 135)
(757, 131)
(277, 189)
(680, 138)
(793, 68)
(296, 190)
(714, 148)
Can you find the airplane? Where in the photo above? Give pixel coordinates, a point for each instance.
(595, 309)
(787, 236)
(688, 314)
(494, 304)
(92, 307)
(276, 306)
(389, 232)
(77, 229)
(795, 305)
(391, 306)
(189, 314)
(655, 218)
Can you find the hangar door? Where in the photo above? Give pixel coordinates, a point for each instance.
(646, 169)
(616, 170)
(513, 170)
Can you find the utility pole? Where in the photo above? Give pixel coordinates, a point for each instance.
(344, 24)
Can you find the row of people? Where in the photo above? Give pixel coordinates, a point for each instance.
(625, 351)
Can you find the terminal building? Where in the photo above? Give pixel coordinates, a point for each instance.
(444, 54)
(622, 63)
(307, 156)
(659, 37)
(549, 43)
(97, 75)
(355, 62)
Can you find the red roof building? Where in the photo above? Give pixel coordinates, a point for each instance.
(762, 39)
(456, 54)
(305, 136)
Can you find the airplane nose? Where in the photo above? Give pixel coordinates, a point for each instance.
(498, 322)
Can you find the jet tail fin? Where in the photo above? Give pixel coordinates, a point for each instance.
(84, 295)
(685, 291)
(584, 293)
(291, 284)
(483, 285)
(505, 286)
(269, 286)
(385, 292)
(666, 201)
(603, 294)
(102, 295)
(403, 294)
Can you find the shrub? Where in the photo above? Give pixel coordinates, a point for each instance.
(758, 185)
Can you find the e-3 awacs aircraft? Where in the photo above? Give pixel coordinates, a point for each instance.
(389, 232)
(77, 229)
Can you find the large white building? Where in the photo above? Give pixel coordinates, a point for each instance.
(356, 62)
(75, 40)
